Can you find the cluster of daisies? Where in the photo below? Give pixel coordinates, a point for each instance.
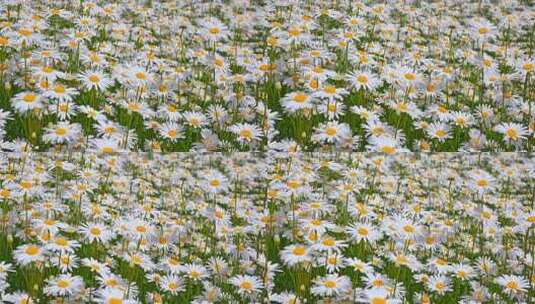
(280, 75)
(267, 228)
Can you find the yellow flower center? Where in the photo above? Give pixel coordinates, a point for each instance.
(112, 282)
(95, 231)
(440, 133)
(141, 75)
(115, 301)
(299, 251)
(329, 284)
(25, 32)
(293, 184)
(29, 98)
(378, 300)
(272, 41)
(219, 62)
(329, 89)
(362, 231)
(109, 130)
(332, 260)
(108, 150)
(328, 242)
(246, 285)
(512, 285)
(267, 67)
(194, 121)
(172, 133)
(94, 78)
(512, 133)
(331, 131)
(388, 149)
(134, 107)
(316, 222)
(63, 284)
(300, 98)
(136, 260)
(61, 242)
(49, 222)
(214, 30)
(362, 78)
(409, 76)
(401, 259)
(294, 32)
(59, 89)
(409, 228)
(61, 131)
(32, 250)
(247, 134)
(528, 67)
(48, 69)
(25, 184)
(215, 183)
(482, 183)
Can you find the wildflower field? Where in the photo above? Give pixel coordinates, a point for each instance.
(248, 228)
(247, 75)
(267, 151)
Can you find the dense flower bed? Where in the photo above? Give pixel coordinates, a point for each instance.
(255, 228)
(267, 75)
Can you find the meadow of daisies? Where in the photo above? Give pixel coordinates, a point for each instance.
(273, 228)
(249, 75)
(253, 151)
